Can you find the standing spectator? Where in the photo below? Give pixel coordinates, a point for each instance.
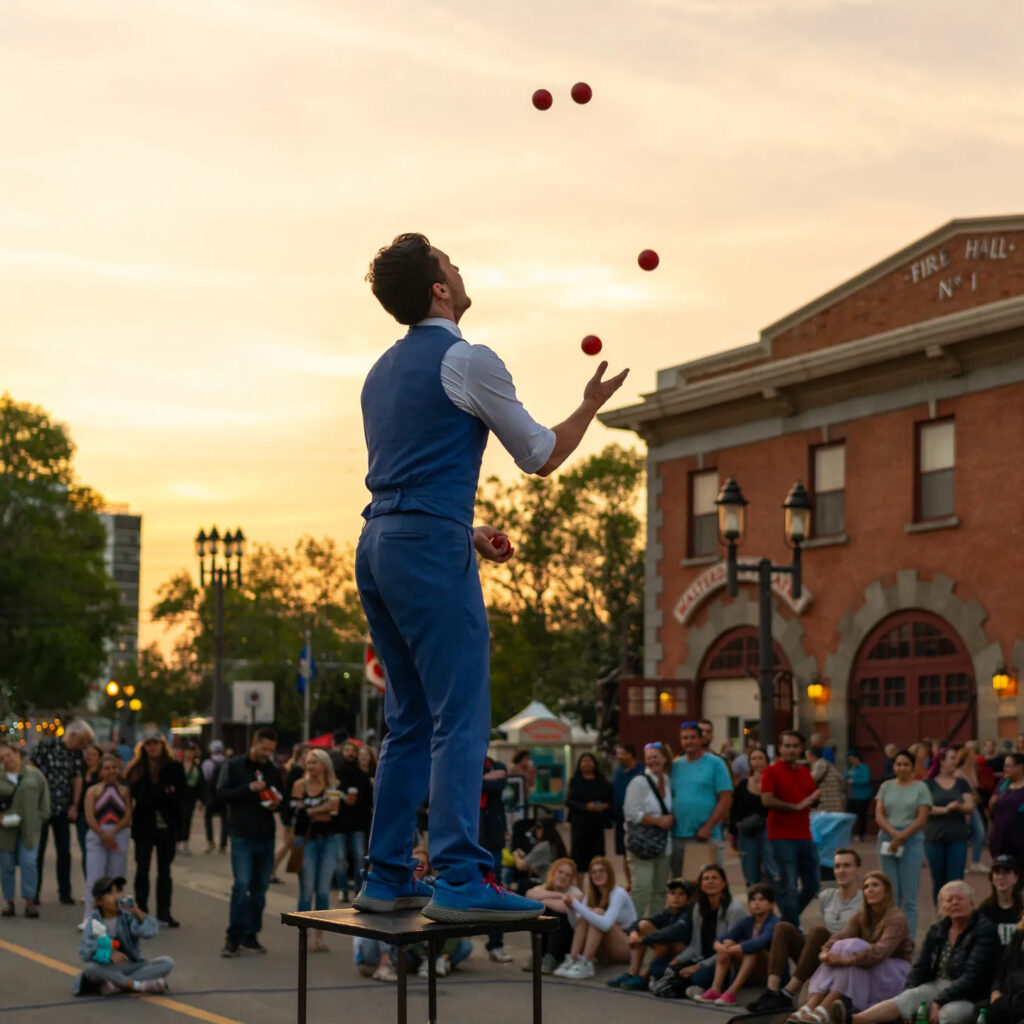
(192, 793)
(741, 762)
(492, 838)
(559, 884)
(627, 768)
(599, 921)
(316, 831)
(294, 769)
(748, 822)
(953, 970)
(353, 815)
(837, 905)
(1004, 907)
(211, 768)
(867, 961)
(25, 798)
(902, 807)
(974, 768)
(367, 761)
(701, 796)
(646, 808)
(1007, 835)
(858, 779)
(91, 755)
(524, 768)
(107, 814)
(707, 735)
(946, 832)
(994, 760)
(788, 791)
(156, 781)
(589, 800)
(251, 788)
(888, 772)
(828, 781)
(59, 758)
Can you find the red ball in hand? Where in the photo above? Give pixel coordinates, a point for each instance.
(591, 344)
(581, 92)
(648, 259)
(542, 99)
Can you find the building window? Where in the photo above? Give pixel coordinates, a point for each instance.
(828, 475)
(929, 690)
(643, 700)
(703, 513)
(648, 700)
(869, 693)
(936, 459)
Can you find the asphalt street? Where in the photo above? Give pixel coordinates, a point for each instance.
(38, 959)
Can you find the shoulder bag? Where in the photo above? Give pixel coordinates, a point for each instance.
(648, 841)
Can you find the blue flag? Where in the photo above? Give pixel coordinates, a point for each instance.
(307, 669)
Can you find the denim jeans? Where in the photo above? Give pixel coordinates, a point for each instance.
(351, 845)
(905, 874)
(977, 835)
(756, 858)
(797, 861)
(946, 862)
(251, 863)
(19, 859)
(319, 860)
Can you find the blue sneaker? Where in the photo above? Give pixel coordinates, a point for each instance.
(378, 896)
(483, 900)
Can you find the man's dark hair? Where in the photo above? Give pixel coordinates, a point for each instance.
(266, 733)
(847, 853)
(402, 276)
(798, 736)
(761, 889)
(815, 752)
(629, 748)
(520, 756)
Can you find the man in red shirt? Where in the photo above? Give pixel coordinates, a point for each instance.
(788, 791)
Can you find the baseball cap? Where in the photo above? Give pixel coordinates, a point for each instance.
(216, 747)
(151, 732)
(1006, 862)
(103, 885)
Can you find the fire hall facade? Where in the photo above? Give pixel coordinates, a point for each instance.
(898, 398)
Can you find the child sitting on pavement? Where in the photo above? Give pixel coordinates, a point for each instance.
(644, 935)
(110, 946)
(743, 948)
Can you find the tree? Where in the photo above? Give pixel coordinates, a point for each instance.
(284, 592)
(58, 605)
(567, 610)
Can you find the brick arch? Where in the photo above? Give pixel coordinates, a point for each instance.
(909, 592)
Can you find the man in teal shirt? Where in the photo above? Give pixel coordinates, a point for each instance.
(701, 796)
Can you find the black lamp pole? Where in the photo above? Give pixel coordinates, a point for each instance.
(731, 520)
(219, 574)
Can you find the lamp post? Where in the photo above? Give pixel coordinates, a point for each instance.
(226, 573)
(732, 513)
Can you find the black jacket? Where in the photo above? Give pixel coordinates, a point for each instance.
(971, 965)
(585, 791)
(247, 817)
(354, 817)
(162, 796)
(492, 810)
(1010, 972)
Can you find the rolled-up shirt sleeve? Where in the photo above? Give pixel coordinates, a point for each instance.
(477, 381)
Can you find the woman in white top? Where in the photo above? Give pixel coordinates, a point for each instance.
(641, 808)
(599, 921)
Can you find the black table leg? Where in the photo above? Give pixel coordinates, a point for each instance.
(403, 1009)
(432, 981)
(538, 956)
(303, 945)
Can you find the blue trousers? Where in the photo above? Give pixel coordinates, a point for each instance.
(946, 862)
(319, 860)
(905, 874)
(251, 863)
(350, 845)
(756, 858)
(23, 859)
(797, 861)
(420, 590)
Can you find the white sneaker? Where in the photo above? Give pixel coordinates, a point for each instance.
(385, 972)
(583, 968)
(81, 925)
(561, 971)
(424, 971)
(499, 955)
(443, 966)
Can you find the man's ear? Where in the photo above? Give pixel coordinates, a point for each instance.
(440, 290)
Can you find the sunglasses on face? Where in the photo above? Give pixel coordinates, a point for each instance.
(652, 746)
(690, 725)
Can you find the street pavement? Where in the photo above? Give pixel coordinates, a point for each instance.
(38, 959)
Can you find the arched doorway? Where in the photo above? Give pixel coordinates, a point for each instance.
(913, 677)
(728, 681)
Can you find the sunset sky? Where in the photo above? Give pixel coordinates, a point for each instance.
(190, 192)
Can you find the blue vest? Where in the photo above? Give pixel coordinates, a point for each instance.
(425, 452)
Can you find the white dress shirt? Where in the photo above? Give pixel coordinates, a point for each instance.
(476, 381)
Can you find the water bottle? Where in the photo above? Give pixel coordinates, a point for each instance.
(983, 1015)
(922, 1013)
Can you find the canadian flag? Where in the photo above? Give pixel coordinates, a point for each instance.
(373, 669)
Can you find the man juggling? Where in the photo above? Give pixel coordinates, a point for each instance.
(428, 406)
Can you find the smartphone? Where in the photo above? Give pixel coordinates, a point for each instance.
(886, 851)
(126, 902)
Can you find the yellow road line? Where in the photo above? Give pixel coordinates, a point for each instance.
(170, 1004)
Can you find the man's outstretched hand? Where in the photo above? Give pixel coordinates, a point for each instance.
(598, 391)
(492, 544)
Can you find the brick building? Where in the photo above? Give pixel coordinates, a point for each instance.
(898, 398)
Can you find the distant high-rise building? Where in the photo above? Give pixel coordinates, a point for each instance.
(122, 556)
